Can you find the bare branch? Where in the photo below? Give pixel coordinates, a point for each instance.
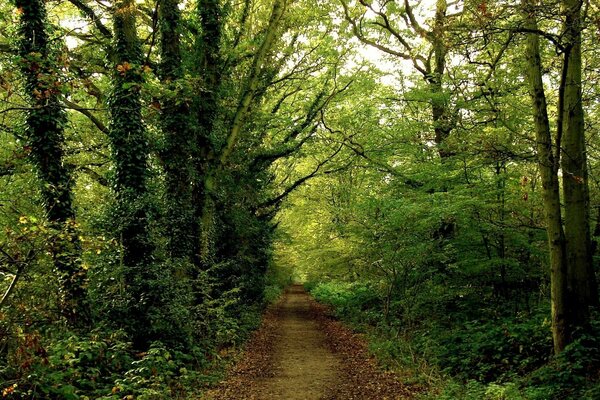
(89, 12)
(277, 200)
(386, 25)
(87, 113)
(414, 23)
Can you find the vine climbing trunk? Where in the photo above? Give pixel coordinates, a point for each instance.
(44, 132)
(179, 138)
(210, 67)
(548, 167)
(130, 156)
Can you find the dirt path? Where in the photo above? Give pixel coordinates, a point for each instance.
(301, 353)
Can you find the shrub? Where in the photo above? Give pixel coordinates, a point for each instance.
(497, 349)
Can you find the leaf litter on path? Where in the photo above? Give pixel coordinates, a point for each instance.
(301, 353)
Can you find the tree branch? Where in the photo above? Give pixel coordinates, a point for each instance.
(93, 175)
(414, 23)
(87, 113)
(406, 56)
(253, 79)
(17, 275)
(357, 149)
(277, 200)
(89, 12)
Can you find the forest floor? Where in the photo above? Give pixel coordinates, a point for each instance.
(300, 352)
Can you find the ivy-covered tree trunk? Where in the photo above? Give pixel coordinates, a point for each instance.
(130, 156)
(581, 279)
(44, 133)
(548, 167)
(177, 155)
(210, 68)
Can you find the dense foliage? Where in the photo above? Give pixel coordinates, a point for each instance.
(429, 169)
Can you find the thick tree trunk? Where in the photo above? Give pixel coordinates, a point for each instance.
(130, 155)
(128, 141)
(210, 68)
(581, 279)
(548, 168)
(176, 124)
(44, 133)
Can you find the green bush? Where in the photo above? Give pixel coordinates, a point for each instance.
(152, 377)
(497, 349)
(474, 390)
(574, 373)
(359, 303)
(63, 367)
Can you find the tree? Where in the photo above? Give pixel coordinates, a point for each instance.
(573, 283)
(400, 43)
(581, 280)
(548, 166)
(208, 48)
(130, 155)
(179, 137)
(45, 141)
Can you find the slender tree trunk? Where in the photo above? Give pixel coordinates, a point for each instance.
(548, 167)
(596, 233)
(177, 156)
(573, 283)
(44, 134)
(253, 81)
(441, 115)
(581, 280)
(130, 155)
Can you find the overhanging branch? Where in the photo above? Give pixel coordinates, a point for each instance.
(87, 113)
(277, 200)
(89, 12)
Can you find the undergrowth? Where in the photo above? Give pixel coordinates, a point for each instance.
(497, 357)
(57, 364)
(103, 365)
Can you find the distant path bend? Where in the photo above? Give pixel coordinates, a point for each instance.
(299, 353)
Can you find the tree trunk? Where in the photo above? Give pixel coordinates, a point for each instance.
(210, 64)
(45, 139)
(548, 168)
(253, 81)
(130, 155)
(441, 114)
(573, 283)
(176, 125)
(581, 280)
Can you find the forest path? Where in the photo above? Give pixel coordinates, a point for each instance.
(299, 352)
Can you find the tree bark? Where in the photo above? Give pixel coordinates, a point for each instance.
(252, 83)
(130, 156)
(548, 167)
(45, 140)
(176, 125)
(441, 115)
(210, 67)
(581, 280)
